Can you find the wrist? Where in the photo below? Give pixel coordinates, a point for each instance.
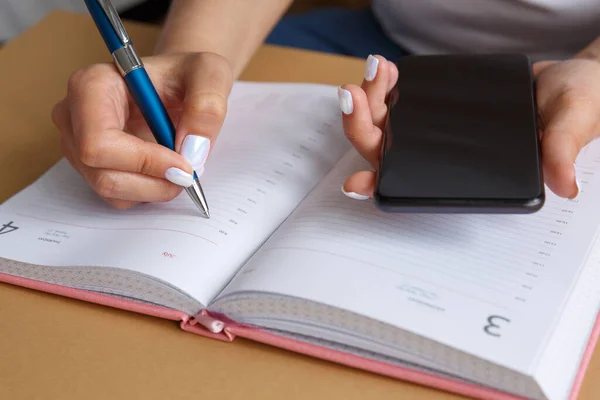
(185, 29)
(174, 41)
(232, 29)
(180, 39)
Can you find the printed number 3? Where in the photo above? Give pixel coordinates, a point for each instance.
(491, 325)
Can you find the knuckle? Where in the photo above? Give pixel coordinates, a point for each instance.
(215, 69)
(352, 133)
(207, 57)
(90, 77)
(99, 72)
(213, 105)
(89, 151)
(105, 184)
(571, 98)
(75, 80)
(201, 60)
(145, 163)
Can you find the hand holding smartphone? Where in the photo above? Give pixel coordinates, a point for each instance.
(461, 136)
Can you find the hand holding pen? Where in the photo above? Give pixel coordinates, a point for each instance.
(108, 121)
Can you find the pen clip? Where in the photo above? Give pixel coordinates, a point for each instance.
(115, 21)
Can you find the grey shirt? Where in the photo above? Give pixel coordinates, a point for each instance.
(543, 29)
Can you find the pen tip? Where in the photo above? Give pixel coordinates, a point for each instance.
(197, 195)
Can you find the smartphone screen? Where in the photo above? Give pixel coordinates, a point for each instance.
(461, 128)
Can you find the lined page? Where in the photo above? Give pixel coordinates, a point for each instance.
(491, 285)
(278, 141)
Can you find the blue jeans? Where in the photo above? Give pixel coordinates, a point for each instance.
(336, 30)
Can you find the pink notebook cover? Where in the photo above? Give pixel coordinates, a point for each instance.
(234, 329)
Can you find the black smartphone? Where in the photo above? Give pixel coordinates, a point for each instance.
(461, 135)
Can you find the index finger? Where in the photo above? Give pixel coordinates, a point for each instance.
(208, 81)
(99, 108)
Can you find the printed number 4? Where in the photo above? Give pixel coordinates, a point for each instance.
(493, 325)
(7, 228)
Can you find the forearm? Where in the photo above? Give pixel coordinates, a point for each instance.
(232, 28)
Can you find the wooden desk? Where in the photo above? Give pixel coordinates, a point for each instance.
(58, 348)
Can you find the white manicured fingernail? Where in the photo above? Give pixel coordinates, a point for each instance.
(179, 177)
(345, 101)
(354, 196)
(195, 149)
(200, 171)
(371, 68)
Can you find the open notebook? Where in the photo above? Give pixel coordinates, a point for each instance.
(489, 306)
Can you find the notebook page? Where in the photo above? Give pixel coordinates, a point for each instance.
(490, 285)
(278, 141)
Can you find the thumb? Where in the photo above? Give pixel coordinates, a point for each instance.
(570, 128)
(207, 80)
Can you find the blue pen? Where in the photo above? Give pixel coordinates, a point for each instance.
(143, 92)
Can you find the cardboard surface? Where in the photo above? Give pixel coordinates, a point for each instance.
(58, 348)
